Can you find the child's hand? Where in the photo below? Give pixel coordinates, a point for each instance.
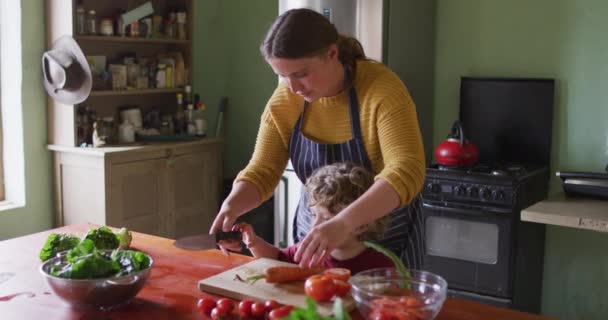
(246, 229)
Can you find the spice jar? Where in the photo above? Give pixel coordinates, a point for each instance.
(81, 22)
(92, 22)
(106, 27)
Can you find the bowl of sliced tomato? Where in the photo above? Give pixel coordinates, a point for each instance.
(388, 294)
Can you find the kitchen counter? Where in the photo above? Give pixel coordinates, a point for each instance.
(132, 147)
(170, 292)
(571, 212)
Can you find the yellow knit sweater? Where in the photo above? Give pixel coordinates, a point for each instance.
(389, 125)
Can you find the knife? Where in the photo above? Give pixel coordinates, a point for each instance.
(207, 241)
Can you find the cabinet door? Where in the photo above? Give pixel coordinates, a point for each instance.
(137, 196)
(194, 180)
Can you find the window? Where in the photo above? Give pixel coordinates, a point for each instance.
(12, 173)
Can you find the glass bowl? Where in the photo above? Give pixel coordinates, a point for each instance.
(101, 293)
(383, 293)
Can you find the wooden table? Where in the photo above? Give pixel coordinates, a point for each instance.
(170, 293)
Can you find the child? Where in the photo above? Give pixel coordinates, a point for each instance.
(330, 189)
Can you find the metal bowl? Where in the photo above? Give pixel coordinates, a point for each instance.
(385, 293)
(102, 293)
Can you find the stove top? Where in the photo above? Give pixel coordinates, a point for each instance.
(498, 184)
(499, 169)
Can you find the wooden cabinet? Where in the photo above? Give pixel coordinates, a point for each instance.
(168, 190)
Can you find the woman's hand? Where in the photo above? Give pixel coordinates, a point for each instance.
(224, 221)
(320, 242)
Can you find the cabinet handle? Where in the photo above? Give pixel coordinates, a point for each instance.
(170, 162)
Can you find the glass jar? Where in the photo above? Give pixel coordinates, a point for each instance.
(81, 21)
(106, 27)
(92, 22)
(181, 25)
(170, 31)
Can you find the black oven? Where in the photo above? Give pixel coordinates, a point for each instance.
(470, 247)
(474, 237)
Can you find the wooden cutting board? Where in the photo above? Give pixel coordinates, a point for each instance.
(225, 284)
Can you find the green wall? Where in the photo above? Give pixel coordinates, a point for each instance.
(561, 39)
(37, 214)
(228, 63)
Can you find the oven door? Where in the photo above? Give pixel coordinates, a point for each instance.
(470, 248)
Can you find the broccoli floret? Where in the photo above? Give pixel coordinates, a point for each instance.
(56, 243)
(124, 238)
(103, 238)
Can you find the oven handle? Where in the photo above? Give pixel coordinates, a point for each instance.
(468, 211)
(284, 235)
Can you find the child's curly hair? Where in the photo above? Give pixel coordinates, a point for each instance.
(337, 185)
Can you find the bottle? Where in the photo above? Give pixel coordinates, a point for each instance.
(190, 120)
(179, 115)
(92, 23)
(188, 95)
(81, 21)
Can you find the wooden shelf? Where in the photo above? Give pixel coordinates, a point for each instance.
(565, 211)
(105, 93)
(131, 39)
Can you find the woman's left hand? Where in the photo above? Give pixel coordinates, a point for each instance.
(320, 242)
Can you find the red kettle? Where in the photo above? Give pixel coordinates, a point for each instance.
(457, 150)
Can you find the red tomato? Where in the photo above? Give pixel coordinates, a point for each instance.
(219, 313)
(225, 303)
(320, 288)
(337, 273)
(280, 313)
(245, 308)
(271, 305)
(413, 302)
(206, 305)
(342, 287)
(258, 310)
(379, 314)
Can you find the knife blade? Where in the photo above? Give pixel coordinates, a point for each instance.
(207, 241)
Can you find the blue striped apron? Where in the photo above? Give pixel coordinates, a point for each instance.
(405, 233)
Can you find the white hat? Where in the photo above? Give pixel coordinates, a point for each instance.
(67, 75)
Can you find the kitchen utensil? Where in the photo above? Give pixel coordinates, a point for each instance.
(457, 150)
(207, 241)
(226, 284)
(95, 293)
(584, 184)
(384, 291)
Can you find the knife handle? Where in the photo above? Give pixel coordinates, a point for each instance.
(228, 235)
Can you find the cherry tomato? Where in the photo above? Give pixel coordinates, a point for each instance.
(280, 313)
(271, 305)
(206, 305)
(342, 287)
(245, 308)
(379, 314)
(412, 302)
(219, 313)
(225, 303)
(258, 310)
(337, 273)
(320, 288)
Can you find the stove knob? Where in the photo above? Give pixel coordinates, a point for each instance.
(485, 194)
(459, 191)
(473, 192)
(498, 195)
(433, 187)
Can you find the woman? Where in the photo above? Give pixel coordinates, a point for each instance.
(334, 105)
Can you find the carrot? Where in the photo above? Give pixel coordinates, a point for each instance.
(282, 274)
